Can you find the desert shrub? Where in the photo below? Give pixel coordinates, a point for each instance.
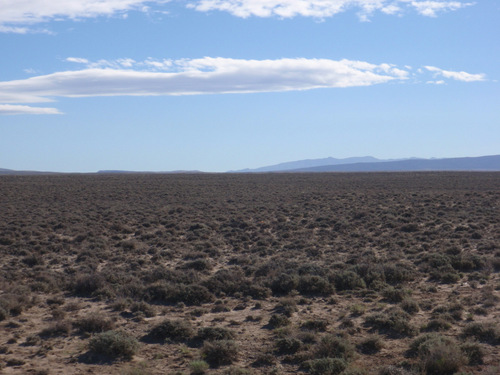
(348, 280)
(33, 260)
(139, 369)
(278, 320)
(317, 325)
(325, 366)
(452, 311)
(394, 321)
(193, 294)
(61, 328)
(175, 330)
(436, 325)
(257, 291)
(409, 228)
(237, 371)
(94, 323)
(264, 359)
(314, 285)
(437, 260)
(473, 352)
(286, 306)
(439, 355)
(220, 352)
(410, 305)
(198, 265)
(198, 367)
(355, 371)
(227, 281)
(214, 333)
(331, 346)
(3, 314)
(284, 283)
(144, 308)
(485, 332)
(392, 294)
(370, 345)
(169, 275)
(15, 302)
(114, 344)
(87, 285)
(393, 370)
(442, 360)
(288, 345)
(468, 262)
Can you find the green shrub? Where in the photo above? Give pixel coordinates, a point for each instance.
(439, 355)
(317, 325)
(474, 352)
(284, 283)
(214, 333)
(87, 285)
(410, 305)
(395, 322)
(94, 323)
(331, 346)
(392, 294)
(61, 328)
(370, 345)
(143, 308)
(314, 285)
(278, 320)
(436, 325)
(192, 294)
(484, 332)
(393, 370)
(3, 314)
(175, 330)
(288, 345)
(114, 344)
(325, 366)
(198, 367)
(264, 359)
(442, 359)
(219, 353)
(348, 280)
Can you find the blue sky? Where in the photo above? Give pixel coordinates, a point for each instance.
(219, 85)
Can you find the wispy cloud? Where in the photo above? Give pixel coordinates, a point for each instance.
(16, 15)
(11, 109)
(459, 76)
(19, 16)
(324, 8)
(432, 8)
(127, 77)
(199, 76)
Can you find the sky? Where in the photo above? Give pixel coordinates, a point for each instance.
(218, 85)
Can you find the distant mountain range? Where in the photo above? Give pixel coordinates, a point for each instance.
(370, 164)
(13, 172)
(354, 164)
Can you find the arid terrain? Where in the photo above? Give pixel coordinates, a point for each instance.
(352, 274)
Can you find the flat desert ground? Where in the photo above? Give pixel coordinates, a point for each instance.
(352, 274)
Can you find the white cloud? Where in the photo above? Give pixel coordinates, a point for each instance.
(23, 12)
(127, 77)
(11, 109)
(459, 76)
(16, 16)
(323, 8)
(77, 60)
(201, 76)
(431, 8)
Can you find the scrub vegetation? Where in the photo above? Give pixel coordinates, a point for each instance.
(381, 273)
